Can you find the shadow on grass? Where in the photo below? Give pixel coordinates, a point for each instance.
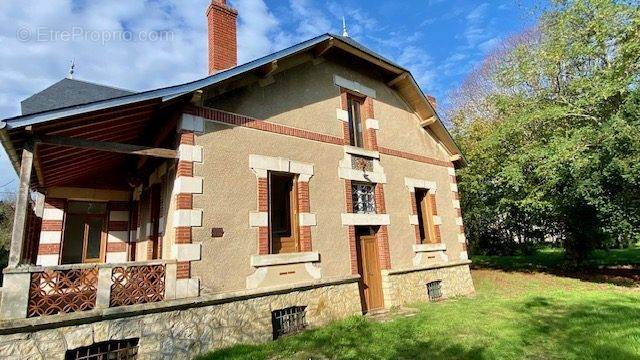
(603, 328)
(618, 267)
(355, 338)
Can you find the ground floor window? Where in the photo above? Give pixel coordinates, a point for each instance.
(363, 198)
(283, 213)
(425, 217)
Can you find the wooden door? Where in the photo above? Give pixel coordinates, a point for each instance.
(369, 269)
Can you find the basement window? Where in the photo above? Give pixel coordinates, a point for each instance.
(288, 321)
(114, 349)
(283, 213)
(434, 290)
(363, 196)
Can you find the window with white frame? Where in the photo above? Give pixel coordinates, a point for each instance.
(363, 196)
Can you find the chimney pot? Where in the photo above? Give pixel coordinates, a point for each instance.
(223, 46)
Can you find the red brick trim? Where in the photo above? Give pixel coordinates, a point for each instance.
(305, 238)
(263, 195)
(183, 235)
(183, 269)
(245, 121)
(118, 225)
(187, 138)
(54, 203)
(434, 206)
(303, 197)
(348, 196)
(381, 207)
(49, 249)
(185, 168)
(184, 201)
(371, 139)
(116, 247)
(414, 157)
(383, 247)
(263, 240)
(51, 225)
(353, 252)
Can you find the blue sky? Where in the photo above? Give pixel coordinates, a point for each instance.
(440, 41)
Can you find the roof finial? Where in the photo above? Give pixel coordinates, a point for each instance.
(73, 65)
(344, 28)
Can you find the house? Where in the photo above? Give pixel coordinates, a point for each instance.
(311, 184)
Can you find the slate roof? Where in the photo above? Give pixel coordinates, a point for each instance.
(69, 92)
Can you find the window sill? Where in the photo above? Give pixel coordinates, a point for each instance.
(362, 152)
(365, 219)
(429, 247)
(283, 259)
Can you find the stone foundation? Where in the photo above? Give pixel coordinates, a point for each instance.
(409, 286)
(179, 329)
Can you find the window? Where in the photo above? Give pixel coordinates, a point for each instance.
(434, 290)
(425, 217)
(114, 349)
(363, 198)
(355, 121)
(288, 321)
(84, 238)
(283, 213)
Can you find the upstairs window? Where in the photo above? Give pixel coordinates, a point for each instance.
(283, 213)
(425, 217)
(354, 105)
(363, 196)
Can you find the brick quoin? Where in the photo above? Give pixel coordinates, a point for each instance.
(185, 168)
(263, 196)
(434, 207)
(383, 247)
(184, 201)
(51, 225)
(353, 253)
(183, 235)
(263, 240)
(183, 269)
(116, 247)
(187, 138)
(221, 21)
(381, 208)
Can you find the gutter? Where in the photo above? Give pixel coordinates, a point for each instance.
(8, 147)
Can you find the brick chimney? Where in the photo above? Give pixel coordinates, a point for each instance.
(223, 46)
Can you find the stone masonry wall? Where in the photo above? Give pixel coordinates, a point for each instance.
(182, 334)
(411, 286)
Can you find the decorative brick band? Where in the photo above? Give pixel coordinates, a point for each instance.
(263, 125)
(51, 225)
(48, 249)
(116, 247)
(245, 121)
(118, 226)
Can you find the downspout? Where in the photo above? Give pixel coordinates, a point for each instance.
(8, 147)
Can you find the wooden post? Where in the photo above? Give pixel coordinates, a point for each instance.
(18, 233)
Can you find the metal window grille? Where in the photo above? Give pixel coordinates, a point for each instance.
(289, 320)
(434, 290)
(108, 350)
(363, 198)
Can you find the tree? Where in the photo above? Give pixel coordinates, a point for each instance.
(556, 154)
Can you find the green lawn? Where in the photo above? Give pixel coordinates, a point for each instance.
(550, 258)
(513, 316)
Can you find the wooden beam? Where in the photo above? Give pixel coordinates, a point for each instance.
(268, 69)
(323, 48)
(428, 121)
(108, 146)
(397, 79)
(19, 231)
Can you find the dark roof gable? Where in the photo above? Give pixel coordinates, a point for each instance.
(69, 92)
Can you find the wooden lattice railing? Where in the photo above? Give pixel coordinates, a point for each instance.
(81, 287)
(62, 291)
(137, 284)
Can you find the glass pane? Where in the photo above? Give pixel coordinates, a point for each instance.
(73, 238)
(94, 238)
(85, 207)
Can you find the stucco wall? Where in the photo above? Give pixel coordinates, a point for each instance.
(230, 194)
(305, 97)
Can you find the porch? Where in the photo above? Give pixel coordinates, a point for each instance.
(93, 227)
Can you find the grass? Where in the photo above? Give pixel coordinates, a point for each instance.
(513, 316)
(550, 258)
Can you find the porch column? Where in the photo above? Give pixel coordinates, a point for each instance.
(18, 233)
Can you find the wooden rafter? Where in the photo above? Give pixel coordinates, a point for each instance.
(108, 146)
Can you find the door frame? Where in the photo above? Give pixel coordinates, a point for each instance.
(370, 301)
